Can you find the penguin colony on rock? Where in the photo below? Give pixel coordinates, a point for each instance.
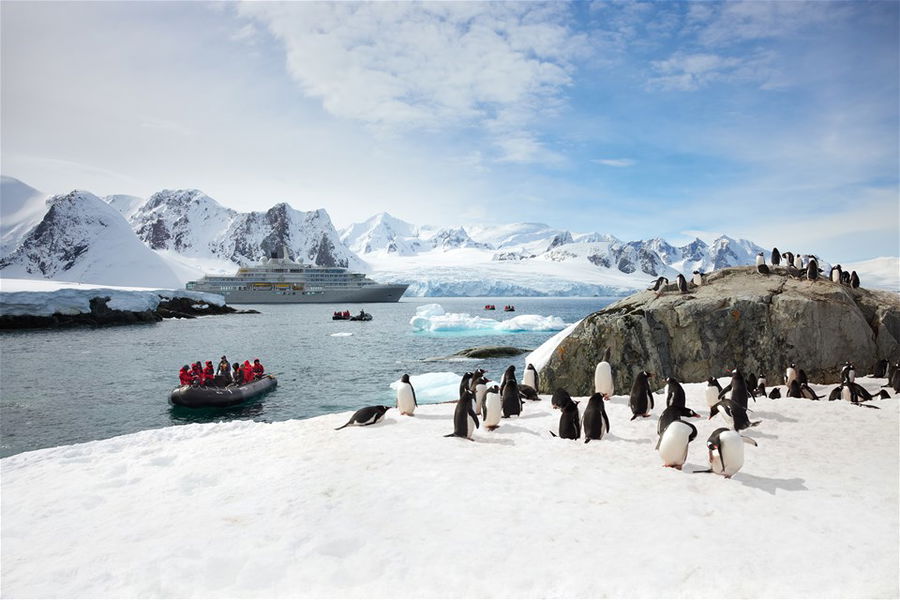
(482, 402)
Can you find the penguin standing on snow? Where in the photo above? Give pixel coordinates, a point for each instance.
(493, 408)
(509, 394)
(480, 391)
(595, 421)
(793, 390)
(569, 422)
(674, 436)
(675, 393)
(530, 378)
(406, 397)
(776, 257)
(465, 420)
(790, 374)
(760, 386)
(726, 452)
(775, 393)
(712, 391)
(641, 399)
(848, 372)
(738, 387)
(508, 374)
(807, 392)
(559, 398)
(682, 283)
(733, 414)
(603, 380)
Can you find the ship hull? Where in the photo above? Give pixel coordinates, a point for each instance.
(369, 293)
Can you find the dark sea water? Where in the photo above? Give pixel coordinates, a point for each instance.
(67, 386)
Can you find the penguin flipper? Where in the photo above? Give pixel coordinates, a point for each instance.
(586, 440)
(344, 425)
(415, 403)
(553, 434)
(749, 441)
(754, 423)
(706, 471)
(658, 442)
(884, 394)
(633, 417)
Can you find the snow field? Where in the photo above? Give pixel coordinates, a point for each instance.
(245, 509)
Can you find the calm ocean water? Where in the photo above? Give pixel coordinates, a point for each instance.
(68, 386)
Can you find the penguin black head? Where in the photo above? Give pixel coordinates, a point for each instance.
(405, 378)
(713, 411)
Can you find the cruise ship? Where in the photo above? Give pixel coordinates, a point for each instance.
(280, 280)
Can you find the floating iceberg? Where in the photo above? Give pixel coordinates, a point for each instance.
(433, 318)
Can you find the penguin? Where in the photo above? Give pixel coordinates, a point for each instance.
(509, 373)
(760, 259)
(738, 387)
(658, 285)
(836, 274)
(762, 269)
(366, 416)
(603, 381)
(793, 390)
(812, 270)
(672, 414)
(406, 397)
(595, 421)
(512, 404)
(760, 386)
(569, 422)
(464, 383)
(733, 414)
(794, 271)
(726, 452)
(712, 391)
(697, 278)
(880, 369)
(790, 374)
(854, 280)
(776, 257)
(477, 375)
(775, 393)
(480, 393)
(641, 399)
(674, 440)
(801, 376)
(788, 258)
(559, 398)
(493, 408)
(798, 262)
(682, 283)
(845, 277)
(807, 392)
(848, 372)
(465, 420)
(750, 380)
(675, 394)
(530, 378)
(836, 393)
(895, 378)
(528, 392)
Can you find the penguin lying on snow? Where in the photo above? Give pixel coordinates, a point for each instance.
(726, 452)
(366, 416)
(775, 393)
(526, 392)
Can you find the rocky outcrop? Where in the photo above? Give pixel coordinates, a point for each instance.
(738, 318)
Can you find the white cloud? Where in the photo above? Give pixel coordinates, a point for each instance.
(615, 162)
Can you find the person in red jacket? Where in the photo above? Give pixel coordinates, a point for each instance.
(209, 373)
(258, 369)
(197, 371)
(184, 376)
(247, 372)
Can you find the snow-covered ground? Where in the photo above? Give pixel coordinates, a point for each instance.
(296, 509)
(45, 298)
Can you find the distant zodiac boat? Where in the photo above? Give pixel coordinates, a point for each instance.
(197, 396)
(280, 280)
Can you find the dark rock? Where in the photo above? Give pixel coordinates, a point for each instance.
(738, 319)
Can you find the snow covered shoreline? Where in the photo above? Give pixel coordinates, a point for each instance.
(297, 509)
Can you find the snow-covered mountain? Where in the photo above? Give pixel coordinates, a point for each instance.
(82, 238)
(21, 208)
(382, 234)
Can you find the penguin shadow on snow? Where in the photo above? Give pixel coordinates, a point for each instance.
(614, 438)
(421, 417)
(505, 427)
(760, 434)
(771, 484)
(772, 416)
(493, 440)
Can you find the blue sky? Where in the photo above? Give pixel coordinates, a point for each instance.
(773, 121)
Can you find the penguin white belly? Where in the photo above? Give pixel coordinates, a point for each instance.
(480, 392)
(494, 407)
(712, 395)
(603, 381)
(698, 281)
(729, 420)
(528, 379)
(405, 402)
(846, 394)
(673, 446)
(851, 375)
(760, 260)
(836, 276)
(732, 451)
(789, 376)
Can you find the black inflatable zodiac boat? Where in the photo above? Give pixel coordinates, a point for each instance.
(193, 396)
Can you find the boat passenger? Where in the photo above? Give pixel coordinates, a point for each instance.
(184, 376)
(236, 375)
(224, 367)
(247, 371)
(209, 373)
(258, 369)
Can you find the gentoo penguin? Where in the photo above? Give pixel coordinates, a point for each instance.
(776, 257)
(775, 393)
(673, 413)
(845, 277)
(788, 258)
(406, 397)
(801, 376)
(807, 392)
(712, 391)
(812, 270)
(762, 269)
(569, 422)
(793, 390)
(658, 285)
(509, 373)
(465, 420)
(750, 380)
(464, 383)
(733, 414)
(674, 437)
(726, 452)
(740, 395)
(848, 372)
(493, 408)
(682, 283)
(528, 392)
(895, 378)
(790, 374)
(595, 421)
(530, 378)
(480, 392)
(509, 393)
(366, 416)
(675, 393)
(641, 399)
(760, 259)
(603, 381)
(697, 278)
(836, 273)
(794, 271)
(477, 375)
(880, 369)
(854, 280)
(559, 398)
(798, 262)
(760, 386)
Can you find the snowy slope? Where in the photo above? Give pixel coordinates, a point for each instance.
(296, 509)
(82, 238)
(882, 273)
(382, 233)
(21, 208)
(125, 204)
(186, 221)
